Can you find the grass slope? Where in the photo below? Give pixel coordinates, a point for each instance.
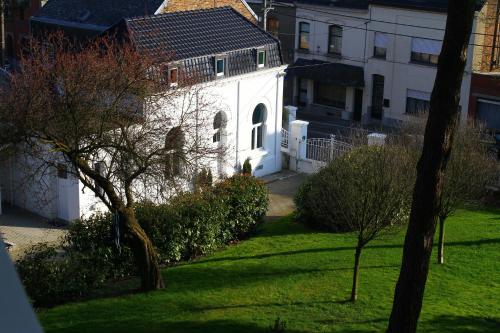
(304, 277)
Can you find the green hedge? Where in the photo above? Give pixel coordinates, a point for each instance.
(188, 226)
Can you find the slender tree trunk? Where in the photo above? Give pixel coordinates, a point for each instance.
(143, 250)
(355, 276)
(427, 193)
(441, 241)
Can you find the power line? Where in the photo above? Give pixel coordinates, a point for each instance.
(388, 22)
(368, 30)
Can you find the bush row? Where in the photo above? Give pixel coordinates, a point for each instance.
(188, 226)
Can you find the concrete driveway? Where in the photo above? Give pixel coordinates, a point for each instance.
(21, 229)
(282, 188)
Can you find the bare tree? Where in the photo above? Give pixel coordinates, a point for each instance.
(427, 194)
(470, 169)
(365, 191)
(111, 116)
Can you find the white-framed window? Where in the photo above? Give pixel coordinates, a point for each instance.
(258, 126)
(335, 39)
(219, 127)
(417, 102)
(261, 58)
(173, 76)
(425, 51)
(220, 66)
(304, 30)
(380, 45)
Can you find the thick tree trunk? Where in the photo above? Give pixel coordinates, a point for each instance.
(355, 276)
(143, 251)
(427, 193)
(441, 241)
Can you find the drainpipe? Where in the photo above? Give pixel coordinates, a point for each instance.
(237, 123)
(495, 35)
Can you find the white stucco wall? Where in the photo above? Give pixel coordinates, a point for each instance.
(237, 97)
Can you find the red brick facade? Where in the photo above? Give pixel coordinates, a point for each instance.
(483, 86)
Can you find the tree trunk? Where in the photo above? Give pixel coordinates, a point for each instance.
(355, 276)
(143, 250)
(441, 241)
(441, 123)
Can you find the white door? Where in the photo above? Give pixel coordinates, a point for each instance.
(67, 195)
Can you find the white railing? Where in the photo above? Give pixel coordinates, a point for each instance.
(325, 150)
(285, 135)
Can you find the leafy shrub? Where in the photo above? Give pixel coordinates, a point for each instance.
(247, 199)
(190, 225)
(51, 278)
(368, 185)
(247, 167)
(95, 237)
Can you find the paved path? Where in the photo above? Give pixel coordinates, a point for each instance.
(22, 228)
(282, 188)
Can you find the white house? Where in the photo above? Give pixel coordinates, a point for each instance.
(242, 73)
(372, 61)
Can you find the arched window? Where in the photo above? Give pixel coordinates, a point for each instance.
(219, 126)
(258, 125)
(174, 153)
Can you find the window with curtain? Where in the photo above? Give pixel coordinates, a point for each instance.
(380, 45)
(258, 126)
(335, 39)
(417, 102)
(425, 51)
(304, 30)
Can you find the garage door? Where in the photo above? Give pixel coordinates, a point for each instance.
(488, 112)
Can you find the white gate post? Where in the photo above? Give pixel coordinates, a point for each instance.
(376, 139)
(297, 143)
(292, 114)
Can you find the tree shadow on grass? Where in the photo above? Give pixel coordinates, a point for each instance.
(215, 277)
(335, 249)
(461, 324)
(209, 326)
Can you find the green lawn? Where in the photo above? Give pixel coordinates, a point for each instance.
(304, 277)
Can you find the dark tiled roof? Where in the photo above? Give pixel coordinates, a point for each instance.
(96, 12)
(328, 72)
(196, 33)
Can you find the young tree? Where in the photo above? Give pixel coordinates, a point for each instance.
(107, 114)
(365, 191)
(431, 167)
(470, 169)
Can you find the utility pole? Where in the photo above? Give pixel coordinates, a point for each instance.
(266, 10)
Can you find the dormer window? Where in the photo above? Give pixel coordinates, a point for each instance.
(220, 66)
(173, 76)
(261, 58)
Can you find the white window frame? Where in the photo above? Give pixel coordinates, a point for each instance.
(259, 52)
(255, 136)
(224, 63)
(170, 70)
